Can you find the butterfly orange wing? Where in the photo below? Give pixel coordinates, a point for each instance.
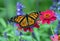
(34, 15)
(24, 22)
(18, 18)
(32, 18)
(31, 21)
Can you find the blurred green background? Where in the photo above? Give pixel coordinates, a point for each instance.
(8, 9)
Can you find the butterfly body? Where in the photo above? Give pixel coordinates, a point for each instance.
(25, 20)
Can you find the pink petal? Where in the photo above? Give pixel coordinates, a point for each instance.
(30, 29)
(17, 24)
(51, 38)
(38, 21)
(25, 29)
(51, 12)
(41, 18)
(53, 18)
(36, 25)
(56, 36)
(42, 12)
(19, 28)
(48, 21)
(44, 21)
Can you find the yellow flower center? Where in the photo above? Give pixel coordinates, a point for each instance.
(47, 15)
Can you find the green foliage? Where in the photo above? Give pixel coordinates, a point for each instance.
(8, 9)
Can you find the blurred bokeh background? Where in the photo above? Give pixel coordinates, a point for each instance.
(8, 31)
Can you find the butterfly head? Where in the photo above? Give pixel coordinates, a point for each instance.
(11, 19)
(26, 15)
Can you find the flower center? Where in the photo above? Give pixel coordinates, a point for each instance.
(47, 15)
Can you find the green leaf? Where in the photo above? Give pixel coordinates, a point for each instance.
(3, 22)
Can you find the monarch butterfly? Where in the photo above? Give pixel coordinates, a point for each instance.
(25, 20)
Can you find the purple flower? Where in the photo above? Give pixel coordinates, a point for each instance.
(58, 3)
(55, 0)
(53, 7)
(58, 27)
(19, 8)
(58, 0)
(17, 33)
(58, 7)
(58, 16)
(56, 31)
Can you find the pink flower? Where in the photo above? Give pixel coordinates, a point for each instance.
(47, 16)
(55, 37)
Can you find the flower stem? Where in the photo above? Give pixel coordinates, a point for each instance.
(52, 30)
(32, 36)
